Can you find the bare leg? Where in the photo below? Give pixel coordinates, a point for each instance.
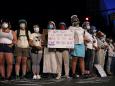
(2, 69)
(24, 62)
(9, 60)
(82, 65)
(74, 63)
(17, 67)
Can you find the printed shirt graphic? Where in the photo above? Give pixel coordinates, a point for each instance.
(78, 34)
(36, 39)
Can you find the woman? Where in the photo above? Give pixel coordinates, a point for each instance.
(102, 47)
(22, 48)
(7, 40)
(78, 53)
(62, 55)
(36, 51)
(110, 55)
(49, 62)
(89, 49)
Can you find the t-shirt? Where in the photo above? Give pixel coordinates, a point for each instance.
(78, 34)
(22, 40)
(89, 45)
(36, 38)
(95, 43)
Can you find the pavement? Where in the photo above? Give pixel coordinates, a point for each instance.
(94, 81)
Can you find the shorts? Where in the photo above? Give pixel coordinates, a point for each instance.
(79, 50)
(6, 48)
(24, 52)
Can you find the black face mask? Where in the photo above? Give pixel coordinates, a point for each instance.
(75, 23)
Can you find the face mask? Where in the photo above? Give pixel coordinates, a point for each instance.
(62, 27)
(5, 25)
(50, 26)
(94, 31)
(75, 23)
(88, 27)
(102, 38)
(111, 41)
(22, 25)
(94, 34)
(36, 30)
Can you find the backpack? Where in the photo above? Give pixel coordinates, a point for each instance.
(26, 32)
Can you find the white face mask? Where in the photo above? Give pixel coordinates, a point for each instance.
(5, 25)
(36, 30)
(88, 27)
(22, 25)
(94, 34)
(111, 41)
(94, 31)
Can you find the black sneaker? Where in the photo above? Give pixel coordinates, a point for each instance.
(23, 77)
(84, 76)
(9, 78)
(17, 77)
(74, 76)
(109, 74)
(2, 78)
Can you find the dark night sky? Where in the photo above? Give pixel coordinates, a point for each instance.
(40, 11)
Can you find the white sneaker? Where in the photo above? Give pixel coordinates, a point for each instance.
(59, 76)
(34, 77)
(38, 77)
(67, 77)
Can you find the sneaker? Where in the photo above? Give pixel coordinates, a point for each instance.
(109, 73)
(59, 76)
(2, 78)
(17, 77)
(84, 76)
(67, 77)
(23, 77)
(38, 77)
(34, 77)
(9, 78)
(74, 76)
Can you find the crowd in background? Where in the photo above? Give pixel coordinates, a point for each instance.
(21, 46)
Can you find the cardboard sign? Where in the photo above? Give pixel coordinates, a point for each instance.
(60, 39)
(100, 70)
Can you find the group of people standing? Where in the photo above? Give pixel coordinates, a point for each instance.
(90, 47)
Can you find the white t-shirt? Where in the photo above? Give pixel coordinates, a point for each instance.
(89, 45)
(36, 38)
(78, 34)
(95, 44)
(22, 40)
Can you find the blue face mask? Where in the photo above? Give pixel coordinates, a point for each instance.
(50, 26)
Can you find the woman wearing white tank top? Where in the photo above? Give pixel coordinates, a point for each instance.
(7, 40)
